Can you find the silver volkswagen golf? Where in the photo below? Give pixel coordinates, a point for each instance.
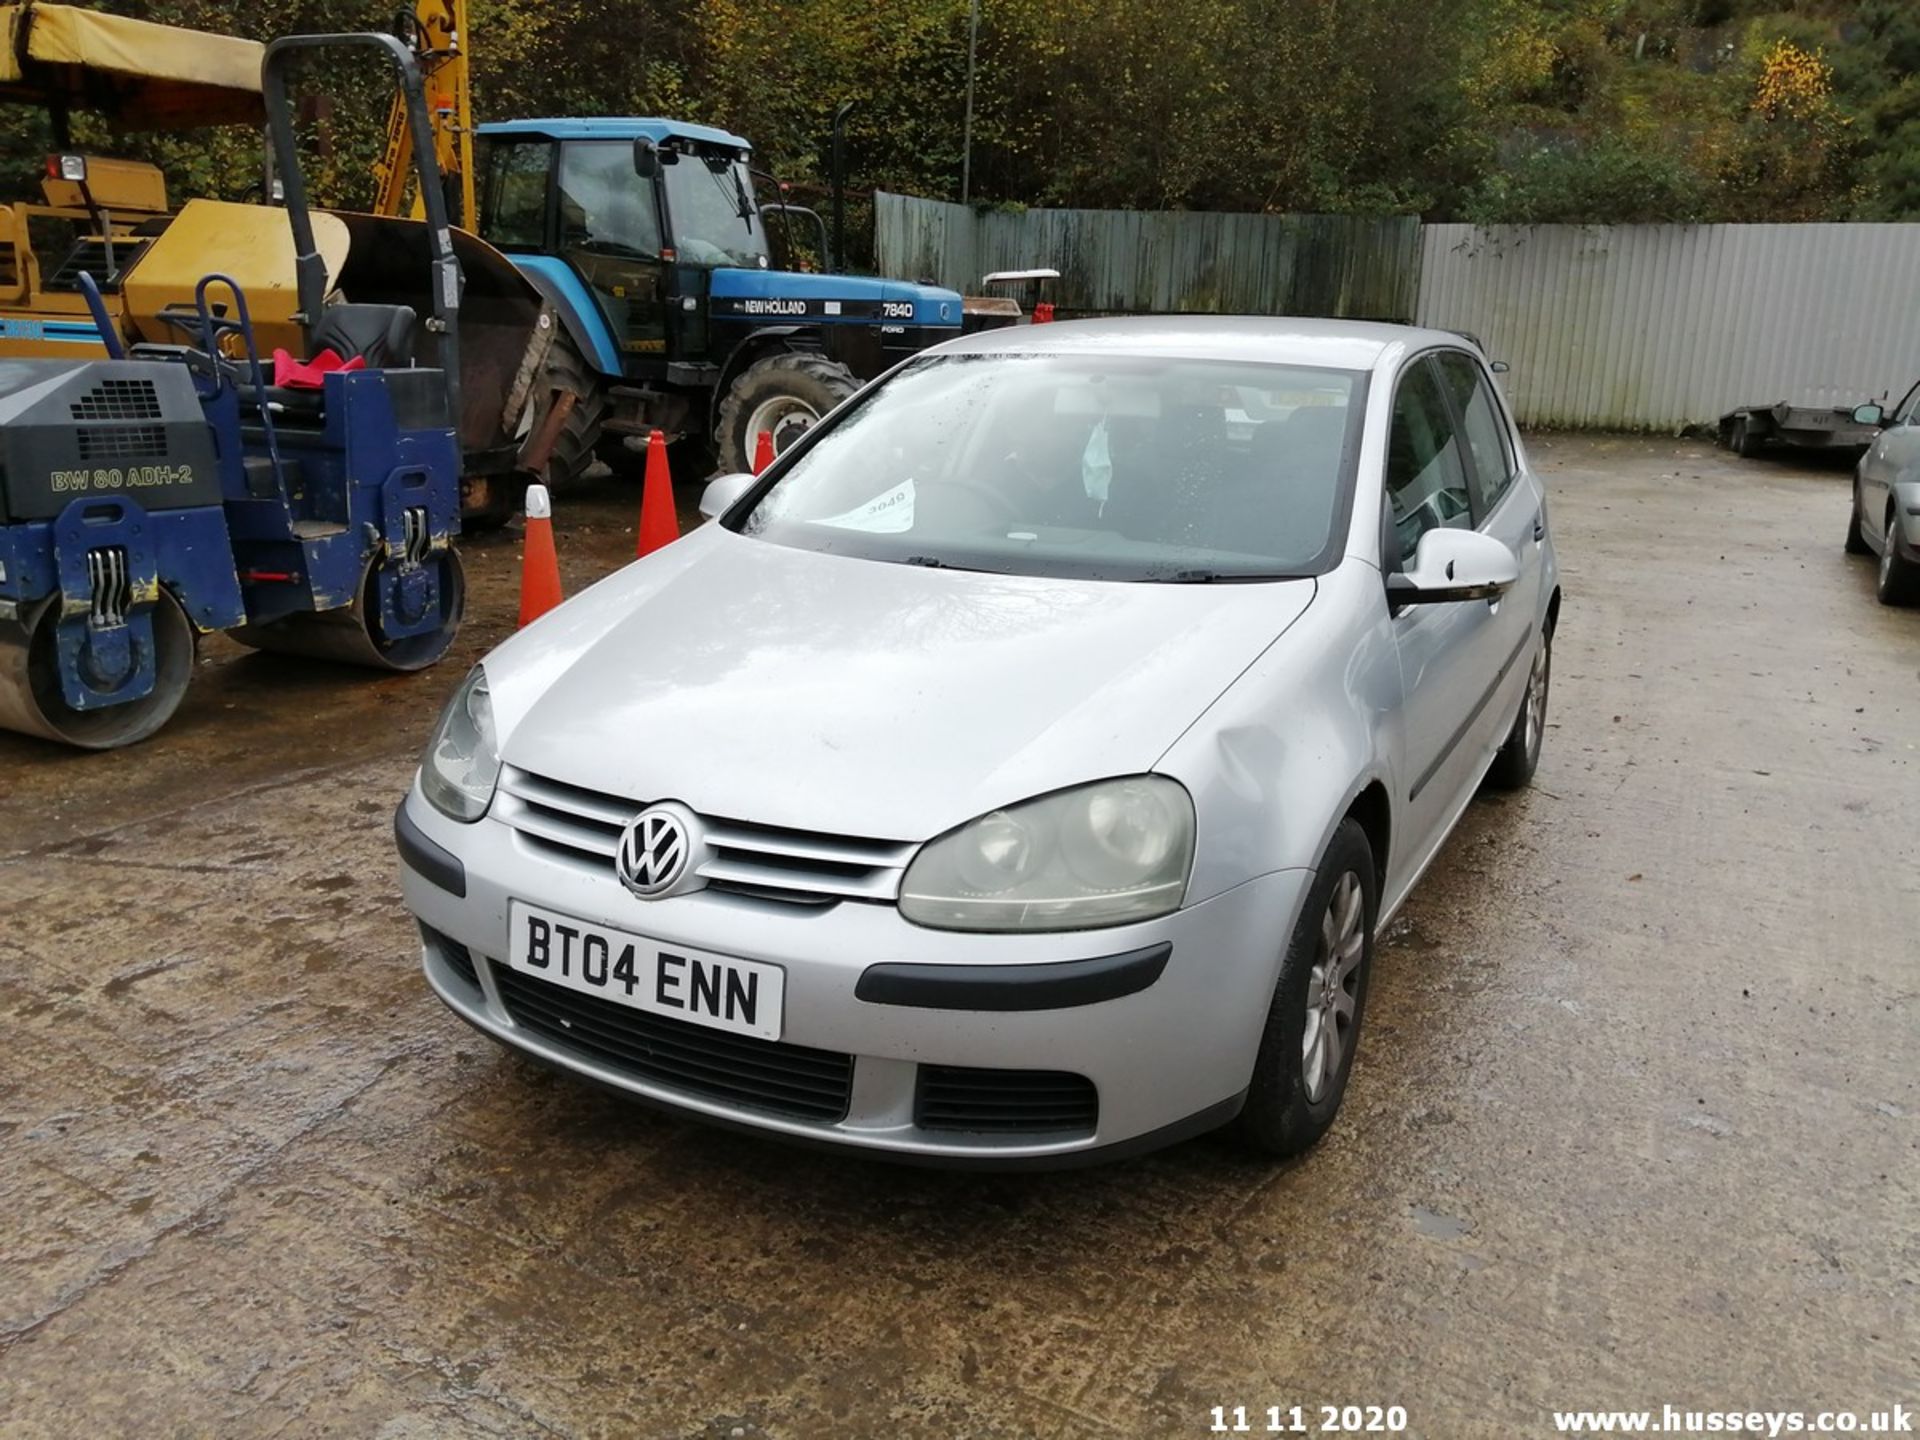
(1019, 771)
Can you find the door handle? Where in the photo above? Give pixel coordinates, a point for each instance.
(1539, 527)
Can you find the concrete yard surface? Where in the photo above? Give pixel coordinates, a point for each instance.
(1636, 1116)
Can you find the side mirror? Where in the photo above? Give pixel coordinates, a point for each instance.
(722, 492)
(1868, 414)
(646, 159)
(1452, 565)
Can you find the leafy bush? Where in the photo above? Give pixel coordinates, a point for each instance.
(1606, 182)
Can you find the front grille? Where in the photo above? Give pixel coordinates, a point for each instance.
(582, 827)
(458, 958)
(1004, 1102)
(741, 1070)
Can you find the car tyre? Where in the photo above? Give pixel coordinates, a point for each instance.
(1519, 755)
(1899, 578)
(1856, 542)
(1313, 1024)
(1748, 439)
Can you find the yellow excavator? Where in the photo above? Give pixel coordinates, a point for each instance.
(112, 221)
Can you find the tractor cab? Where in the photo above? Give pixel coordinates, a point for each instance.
(637, 212)
(686, 303)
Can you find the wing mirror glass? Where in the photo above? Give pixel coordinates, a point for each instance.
(722, 491)
(1868, 414)
(1451, 565)
(646, 158)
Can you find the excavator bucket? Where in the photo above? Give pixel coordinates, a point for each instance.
(499, 315)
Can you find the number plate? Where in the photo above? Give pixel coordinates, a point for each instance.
(744, 996)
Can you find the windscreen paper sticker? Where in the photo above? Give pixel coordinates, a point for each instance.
(888, 514)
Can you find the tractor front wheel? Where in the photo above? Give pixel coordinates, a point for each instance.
(781, 395)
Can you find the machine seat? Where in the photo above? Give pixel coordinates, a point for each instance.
(380, 336)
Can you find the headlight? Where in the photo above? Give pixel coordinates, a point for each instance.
(463, 760)
(1103, 854)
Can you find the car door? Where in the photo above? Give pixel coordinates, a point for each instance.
(1508, 506)
(1894, 452)
(1446, 651)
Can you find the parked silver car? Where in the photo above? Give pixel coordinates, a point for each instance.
(1020, 770)
(1885, 519)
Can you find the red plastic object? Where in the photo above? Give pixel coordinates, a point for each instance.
(292, 374)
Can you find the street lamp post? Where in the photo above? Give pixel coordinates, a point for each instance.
(966, 138)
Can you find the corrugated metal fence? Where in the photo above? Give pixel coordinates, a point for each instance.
(1633, 326)
(1160, 262)
(1625, 327)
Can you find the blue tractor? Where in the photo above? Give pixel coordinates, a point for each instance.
(648, 242)
(173, 490)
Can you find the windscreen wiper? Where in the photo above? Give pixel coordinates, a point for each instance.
(934, 562)
(1215, 577)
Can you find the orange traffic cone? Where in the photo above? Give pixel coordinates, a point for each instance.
(658, 526)
(539, 565)
(763, 451)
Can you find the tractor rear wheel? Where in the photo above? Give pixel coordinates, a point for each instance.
(567, 373)
(781, 395)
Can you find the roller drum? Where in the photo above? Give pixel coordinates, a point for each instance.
(31, 700)
(351, 634)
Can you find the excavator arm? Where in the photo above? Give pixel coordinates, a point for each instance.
(437, 32)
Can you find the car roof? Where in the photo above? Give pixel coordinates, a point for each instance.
(1266, 339)
(614, 127)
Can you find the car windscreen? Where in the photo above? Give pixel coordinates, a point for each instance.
(1099, 467)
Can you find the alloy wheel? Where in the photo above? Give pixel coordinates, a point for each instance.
(1537, 698)
(1333, 987)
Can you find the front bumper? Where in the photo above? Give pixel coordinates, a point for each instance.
(1906, 501)
(1168, 1053)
